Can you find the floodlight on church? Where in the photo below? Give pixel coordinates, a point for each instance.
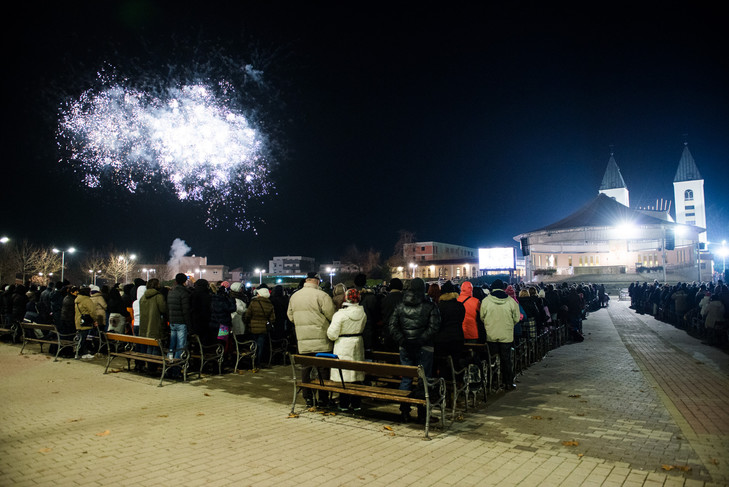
(626, 229)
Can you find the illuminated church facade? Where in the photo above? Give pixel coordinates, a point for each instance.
(606, 237)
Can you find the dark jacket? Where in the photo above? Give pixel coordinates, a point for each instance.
(450, 336)
(200, 299)
(221, 307)
(259, 311)
(415, 321)
(178, 305)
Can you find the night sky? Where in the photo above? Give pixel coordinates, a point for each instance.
(466, 125)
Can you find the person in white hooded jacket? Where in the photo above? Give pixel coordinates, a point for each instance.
(345, 331)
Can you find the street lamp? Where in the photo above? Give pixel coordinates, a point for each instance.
(148, 271)
(126, 260)
(331, 276)
(70, 250)
(200, 272)
(260, 273)
(413, 267)
(94, 274)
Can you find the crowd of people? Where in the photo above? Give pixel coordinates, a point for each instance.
(702, 309)
(423, 323)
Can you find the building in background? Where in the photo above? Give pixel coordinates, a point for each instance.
(291, 265)
(438, 260)
(607, 237)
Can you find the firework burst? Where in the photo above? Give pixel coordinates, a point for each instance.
(190, 138)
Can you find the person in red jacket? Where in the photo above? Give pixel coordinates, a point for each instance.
(473, 307)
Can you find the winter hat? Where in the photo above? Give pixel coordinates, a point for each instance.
(448, 287)
(235, 287)
(264, 292)
(497, 284)
(395, 283)
(313, 275)
(225, 284)
(417, 286)
(95, 289)
(352, 296)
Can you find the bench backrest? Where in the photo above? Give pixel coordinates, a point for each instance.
(37, 326)
(151, 342)
(372, 368)
(386, 357)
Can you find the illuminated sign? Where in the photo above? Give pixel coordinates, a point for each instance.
(497, 258)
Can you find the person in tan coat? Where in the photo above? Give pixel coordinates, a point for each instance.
(84, 306)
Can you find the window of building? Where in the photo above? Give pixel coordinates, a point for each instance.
(690, 213)
(569, 261)
(690, 207)
(691, 222)
(580, 264)
(688, 195)
(590, 260)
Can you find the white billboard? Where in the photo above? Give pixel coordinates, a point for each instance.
(497, 258)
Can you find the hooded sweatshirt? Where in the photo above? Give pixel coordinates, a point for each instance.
(499, 313)
(473, 307)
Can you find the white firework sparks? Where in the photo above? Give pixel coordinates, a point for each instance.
(187, 137)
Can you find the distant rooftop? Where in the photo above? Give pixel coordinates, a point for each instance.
(612, 178)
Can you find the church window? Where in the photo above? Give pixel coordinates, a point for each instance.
(690, 207)
(569, 261)
(580, 261)
(688, 195)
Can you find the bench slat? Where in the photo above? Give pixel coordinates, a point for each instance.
(151, 342)
(373, 368)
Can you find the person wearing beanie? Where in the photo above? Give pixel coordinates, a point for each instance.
(259, 315)
(345, 331)
(500, 313)
(413, 325)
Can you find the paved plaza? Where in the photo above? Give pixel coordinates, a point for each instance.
(638, 403)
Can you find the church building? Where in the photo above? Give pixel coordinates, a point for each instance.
(606, 237)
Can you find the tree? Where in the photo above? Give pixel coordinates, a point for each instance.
(92, 264)
(116, 267)
(398, 258)
(24, 256)
(43, 263)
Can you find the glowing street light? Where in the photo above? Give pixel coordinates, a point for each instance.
(331, 275)
(413, 267)
(260, 273)
(4, 240)
(126, 259)
(200, 272)
(148, 271)
(70, 250)
(94, 274)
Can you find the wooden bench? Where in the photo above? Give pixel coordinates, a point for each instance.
(12, 329)
(373, 369)
(49, 335)
(123, 346)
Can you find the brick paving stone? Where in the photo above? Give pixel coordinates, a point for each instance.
(621, 394)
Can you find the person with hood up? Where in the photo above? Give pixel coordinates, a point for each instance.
(449, 339)
(345, 331)
(413, 325)
(100, 302)
(259, 313)
(152, 313)
(140, 290)
(236, 317)
(499, 313)
(471, 322)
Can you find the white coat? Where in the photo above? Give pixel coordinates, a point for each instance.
(350, 320)
(135, 305)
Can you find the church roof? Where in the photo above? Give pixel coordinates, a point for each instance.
(603, 211)
(612, 178)
(687, 170)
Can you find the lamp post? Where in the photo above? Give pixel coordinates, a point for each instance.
(126, 259)
(148, 271)
(413, 267)
(3, 240)
(70, 250)
(200, 272)
(330, 271)
(94, 274)
(260, 273)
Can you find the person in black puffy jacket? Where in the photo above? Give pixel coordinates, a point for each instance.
(413, 325)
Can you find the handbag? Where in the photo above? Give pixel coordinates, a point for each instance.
(86, 319)
(269, 325)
